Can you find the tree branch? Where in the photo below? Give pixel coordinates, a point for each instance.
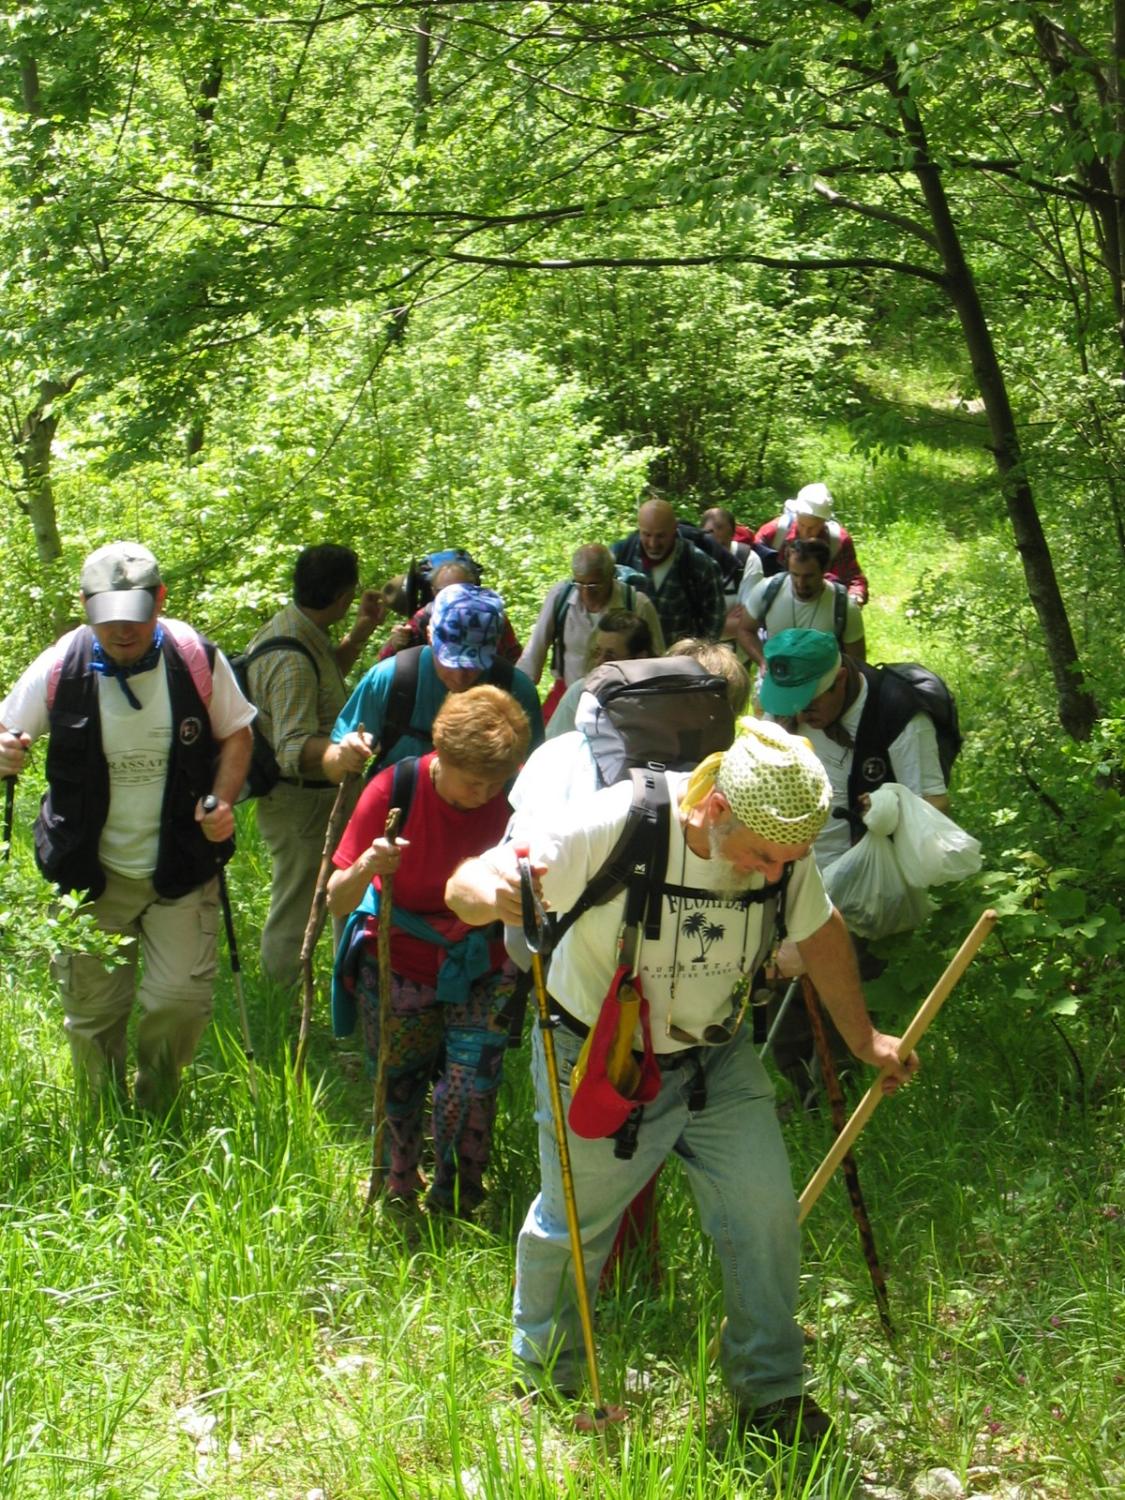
(870, 211)
(719, 258)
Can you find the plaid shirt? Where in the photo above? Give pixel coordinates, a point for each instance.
(703, 610)
(292, 705)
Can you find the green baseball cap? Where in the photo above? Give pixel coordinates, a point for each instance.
(800, 665)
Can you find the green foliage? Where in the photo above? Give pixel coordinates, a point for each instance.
(37, 921)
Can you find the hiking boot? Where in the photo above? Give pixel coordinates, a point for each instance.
(793, 1419)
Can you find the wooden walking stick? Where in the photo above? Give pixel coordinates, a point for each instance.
(913, 1034)
(379, 1103)
(341, 811)
(851, 1171)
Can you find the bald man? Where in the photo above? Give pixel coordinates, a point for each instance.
(683, 582)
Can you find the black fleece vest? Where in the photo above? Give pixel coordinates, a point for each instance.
(889, 708)
(76, 803)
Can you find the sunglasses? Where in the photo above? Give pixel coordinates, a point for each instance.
(719, 1033)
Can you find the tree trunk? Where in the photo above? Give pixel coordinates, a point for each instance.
(1077, 709)
(423, 61)
(33, 449)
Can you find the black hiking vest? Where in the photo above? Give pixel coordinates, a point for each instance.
(76, 803)
(889, 708)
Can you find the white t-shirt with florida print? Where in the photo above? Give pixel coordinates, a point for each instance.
(705, 941)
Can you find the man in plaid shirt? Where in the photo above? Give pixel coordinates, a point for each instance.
(299, 690)
(682, 581)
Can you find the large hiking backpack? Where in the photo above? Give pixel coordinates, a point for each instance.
(264, 772)
(640, 719)
(668, 711)
(839, 602)
(896, 692)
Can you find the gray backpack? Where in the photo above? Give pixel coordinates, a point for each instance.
(669, 712)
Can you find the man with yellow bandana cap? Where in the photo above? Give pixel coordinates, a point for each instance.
(743, 821)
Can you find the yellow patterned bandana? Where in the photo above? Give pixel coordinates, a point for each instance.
(773, 781)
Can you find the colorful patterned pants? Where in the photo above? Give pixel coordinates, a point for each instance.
(460, 1047)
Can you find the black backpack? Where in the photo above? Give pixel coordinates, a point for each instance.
(418, 584)
(896, 692)
(264, 772)
(652, 716)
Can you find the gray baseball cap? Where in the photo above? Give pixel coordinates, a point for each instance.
(119, 582)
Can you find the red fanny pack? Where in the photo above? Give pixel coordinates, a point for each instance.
(611, 1083)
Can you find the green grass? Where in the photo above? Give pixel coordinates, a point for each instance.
(202, 1307)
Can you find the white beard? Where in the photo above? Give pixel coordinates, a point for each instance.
(728, 881)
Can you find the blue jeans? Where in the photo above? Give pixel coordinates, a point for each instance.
(735, 1160)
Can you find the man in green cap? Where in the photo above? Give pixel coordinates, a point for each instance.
(739, 834)
(838, 704)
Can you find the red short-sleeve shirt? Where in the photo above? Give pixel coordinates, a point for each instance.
(440, 837)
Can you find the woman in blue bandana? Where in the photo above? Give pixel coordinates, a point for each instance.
(449, 983)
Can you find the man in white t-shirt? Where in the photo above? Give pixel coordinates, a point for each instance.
(741, 823)
(801, 599)
(145, 720)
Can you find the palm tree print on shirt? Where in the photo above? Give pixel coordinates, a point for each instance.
(697, 926)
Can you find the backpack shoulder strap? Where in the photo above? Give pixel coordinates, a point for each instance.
(691, 583)
(197, 652)
(282, 643)
(400, 700)
(839, 610)
(501, 673)
(884, 717)
(403, 782)
(772, 589)
(641, 851)
(562, 604)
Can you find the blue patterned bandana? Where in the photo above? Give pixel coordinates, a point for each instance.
(100, 662)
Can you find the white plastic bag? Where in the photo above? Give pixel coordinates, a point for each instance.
(931, 849)
(867, 887)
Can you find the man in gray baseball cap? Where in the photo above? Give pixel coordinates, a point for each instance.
(144, 721)
(120, 582)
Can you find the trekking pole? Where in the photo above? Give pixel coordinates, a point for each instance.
(383, 941)
(210, 802)
(775, 1025)
(911, 1037)
(848, 1164)
(536, 938)
(341, 812)
(10, 804)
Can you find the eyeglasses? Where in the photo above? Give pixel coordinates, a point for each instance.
(719, 1033)
(596, 584)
